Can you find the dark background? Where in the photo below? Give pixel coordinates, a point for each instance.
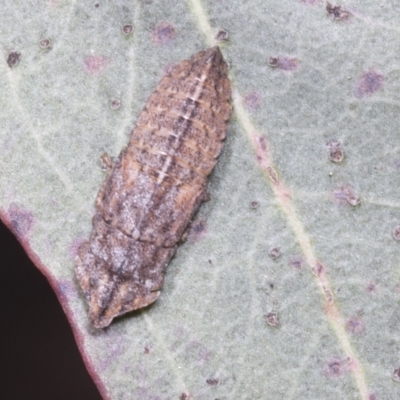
(39, 358)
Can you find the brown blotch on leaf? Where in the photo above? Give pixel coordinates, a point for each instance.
(13, 59)
(370, 82)
(272, 318)
(146, 350)
(127, 29)
(106, 162)
(115, 104)
(396, 375)
(185, 396)
(328, 294)
(212, 381)
(275, 253)
(222, 36)
(45, 44)
(254, 204)
(337, 12)
(317, 269)
(336, 153)
(346, 194)
(163, 33)
(284, 63)
(353, 200)
(273, 62)
(272, 175)
(262, 142)
(396, 233)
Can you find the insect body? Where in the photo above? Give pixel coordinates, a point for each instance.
(156, 185)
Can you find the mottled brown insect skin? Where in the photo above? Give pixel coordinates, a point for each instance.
(155, 187)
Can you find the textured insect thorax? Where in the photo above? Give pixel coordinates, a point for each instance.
(156, 185)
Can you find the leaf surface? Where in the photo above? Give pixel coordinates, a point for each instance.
(320, 321)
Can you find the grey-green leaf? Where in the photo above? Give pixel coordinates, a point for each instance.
(290, 287)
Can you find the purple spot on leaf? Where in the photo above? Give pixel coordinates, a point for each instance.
(254, 204)
(198, 352)
(145, 394)
(163, 33)
(95, 64)
(396, 232)
(297, 262)
(274, 253)
(115, 345)
(317, 269)
(13, 59)
(45, 43)
(335, 367)
(355, 326)
(68, 288)
(272, 318)
(127, 29)
(369, 83)
(262, 142)
(198, 230)
(284, 63)
(212, 381)
(396, 375)
(346, 194)
(115, 104)
(337, 12)
(74, 247)
(21, 221)
(222, 36)
(311, 2)
(371, 287)
(336, 153)
(252, 100)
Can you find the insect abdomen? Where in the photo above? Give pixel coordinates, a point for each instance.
(155, 187)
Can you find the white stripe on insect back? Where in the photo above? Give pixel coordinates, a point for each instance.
(186, 116)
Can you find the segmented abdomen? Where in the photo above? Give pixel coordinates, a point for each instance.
(155, 187)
